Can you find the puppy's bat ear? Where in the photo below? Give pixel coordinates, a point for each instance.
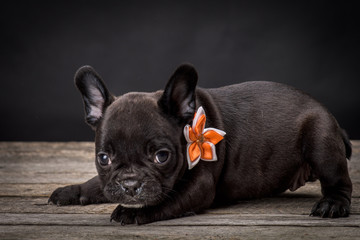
(95, 95)
(178, 99)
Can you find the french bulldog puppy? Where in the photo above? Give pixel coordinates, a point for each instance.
(156, 159)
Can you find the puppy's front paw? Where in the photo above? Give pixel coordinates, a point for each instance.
(123, 215)
(69, 195)
(328, 207)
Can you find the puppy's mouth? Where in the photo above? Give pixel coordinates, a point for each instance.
(132, 205)
(131, 194)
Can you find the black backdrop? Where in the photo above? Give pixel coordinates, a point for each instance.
(135, 46)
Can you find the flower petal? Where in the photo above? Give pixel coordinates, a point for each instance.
(213, 135)
(186, 133)
(200, 125)
(199, 121)
(192, 135)
(189, 134)
(194, 151)
(208, 151)
(198, 113)
(192, 162)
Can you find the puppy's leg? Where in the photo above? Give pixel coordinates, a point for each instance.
(327, 156)
(87, 193)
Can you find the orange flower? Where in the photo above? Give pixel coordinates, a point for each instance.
(201, 140)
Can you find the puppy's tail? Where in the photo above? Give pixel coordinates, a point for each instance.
(347, 143)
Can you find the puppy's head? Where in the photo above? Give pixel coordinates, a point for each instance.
(139, 140)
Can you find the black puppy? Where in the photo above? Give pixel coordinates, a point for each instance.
(156, 166)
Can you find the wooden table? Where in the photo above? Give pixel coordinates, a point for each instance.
(30, 171)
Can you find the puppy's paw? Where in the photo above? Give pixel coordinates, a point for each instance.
(123, 215)
(69, 195)
(331, 208)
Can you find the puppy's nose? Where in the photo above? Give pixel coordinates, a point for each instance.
(131, 187)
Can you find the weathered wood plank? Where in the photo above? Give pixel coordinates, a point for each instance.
(44, 152)
(45, 177)
(198, 220)
(45, 189)
(42, 162)
(283, 205)
(261, 220)
(57, 165)
(354, 169)
(45, 147)
(171, 232)
(28, 189)
(39, 205)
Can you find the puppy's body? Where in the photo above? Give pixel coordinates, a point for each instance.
(276, 135)
(277, 138)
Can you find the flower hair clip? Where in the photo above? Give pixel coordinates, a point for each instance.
(201, 140)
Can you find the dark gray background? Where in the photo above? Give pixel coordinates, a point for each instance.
(136, 45)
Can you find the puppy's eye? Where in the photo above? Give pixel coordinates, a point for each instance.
(162, 156)
(103, 159)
